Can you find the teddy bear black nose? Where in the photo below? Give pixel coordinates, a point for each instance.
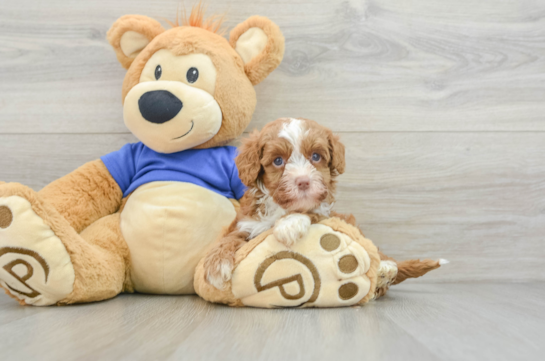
(159, 106)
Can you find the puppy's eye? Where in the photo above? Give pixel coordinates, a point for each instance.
(192, 75)
(158, 72)
(316, 157)
(278, 161)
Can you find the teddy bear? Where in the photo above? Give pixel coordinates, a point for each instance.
(141, 218)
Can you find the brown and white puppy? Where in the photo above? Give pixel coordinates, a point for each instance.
(290, 169)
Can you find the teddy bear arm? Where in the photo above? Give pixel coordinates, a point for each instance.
(85, 195)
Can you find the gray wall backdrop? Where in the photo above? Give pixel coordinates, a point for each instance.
(441, 105)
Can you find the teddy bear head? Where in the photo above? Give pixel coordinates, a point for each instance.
(188, 87)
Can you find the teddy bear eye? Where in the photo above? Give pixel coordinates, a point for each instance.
(316, 157)
(278, 161)
(192, 75)
(158, 72)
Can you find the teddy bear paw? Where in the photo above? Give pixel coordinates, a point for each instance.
(35, 267)
(325, 268)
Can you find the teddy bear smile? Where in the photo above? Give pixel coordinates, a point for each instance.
(190, 129)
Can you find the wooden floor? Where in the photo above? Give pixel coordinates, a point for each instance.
(492, 321)
(441, 106)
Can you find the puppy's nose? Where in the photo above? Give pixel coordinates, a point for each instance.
(159, 106)
(303, 183)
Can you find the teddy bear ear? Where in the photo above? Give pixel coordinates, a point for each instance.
(130, 34)
(260, 44)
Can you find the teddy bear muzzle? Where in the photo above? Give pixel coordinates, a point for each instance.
(171, 116)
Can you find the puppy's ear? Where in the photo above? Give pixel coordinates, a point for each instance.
(130, 34)
(337, 163)
(248, 160)
(260, 44)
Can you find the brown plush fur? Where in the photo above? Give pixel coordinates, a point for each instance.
(196, 18)
(258, 68)
(85, 195)
(144, 25)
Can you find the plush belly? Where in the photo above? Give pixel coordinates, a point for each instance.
(168, 227)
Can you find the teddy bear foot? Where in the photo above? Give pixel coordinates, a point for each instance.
(35, 267)
(331, 266)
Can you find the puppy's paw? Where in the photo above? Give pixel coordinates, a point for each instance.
(292, 228)
(386, 275)
(218, 271)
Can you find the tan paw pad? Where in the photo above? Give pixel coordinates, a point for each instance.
(34, 264)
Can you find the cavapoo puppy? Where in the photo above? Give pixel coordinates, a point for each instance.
(290, 169)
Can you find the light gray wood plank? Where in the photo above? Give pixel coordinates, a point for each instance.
(37, 160)
(414, 321)
(477, 322)
(361, 65)
(477, 199)
(162, 327)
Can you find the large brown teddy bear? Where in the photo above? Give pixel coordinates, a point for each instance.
(140, 219)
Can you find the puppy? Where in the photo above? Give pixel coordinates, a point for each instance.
(290, 169)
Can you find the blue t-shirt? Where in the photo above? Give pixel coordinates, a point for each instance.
(212, 168)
